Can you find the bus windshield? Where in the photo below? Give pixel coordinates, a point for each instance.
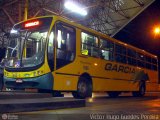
(26, 46)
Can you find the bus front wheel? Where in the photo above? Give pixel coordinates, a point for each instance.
(141, 92)
(84, 89)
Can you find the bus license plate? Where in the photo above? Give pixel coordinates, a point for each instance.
(19, 81)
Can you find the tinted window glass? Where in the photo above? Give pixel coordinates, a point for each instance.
(148, 59)
(140, 63)
(66, 40)
(140, 56)
(132, 61)
(89, 45)
(107, 49)
(89, 39)
(106, 45)
(131, 53)
(154, 67)
(148, 65)
(120, 49)
(154, 61)
(120, 58)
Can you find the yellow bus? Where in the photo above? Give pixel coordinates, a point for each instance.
(53, 54)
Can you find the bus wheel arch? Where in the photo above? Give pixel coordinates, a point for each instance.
(84, 87)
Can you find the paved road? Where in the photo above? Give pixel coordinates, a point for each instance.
(103, 108)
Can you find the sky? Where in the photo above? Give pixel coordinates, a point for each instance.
(139, 32)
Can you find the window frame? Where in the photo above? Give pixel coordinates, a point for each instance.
(120, 54)
(94, 35)
(113, 51)
(56, 43)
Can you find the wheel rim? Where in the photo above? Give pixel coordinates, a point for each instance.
(82, 87)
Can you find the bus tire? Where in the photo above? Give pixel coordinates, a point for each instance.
(84, 88)
(113, 94)
(141, 92)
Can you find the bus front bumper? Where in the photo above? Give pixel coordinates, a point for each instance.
(41, 82)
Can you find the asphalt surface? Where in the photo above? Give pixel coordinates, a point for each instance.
(102, 108)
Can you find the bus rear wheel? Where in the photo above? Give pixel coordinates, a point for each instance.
(141, 92)
(84, 89)
(113, 94)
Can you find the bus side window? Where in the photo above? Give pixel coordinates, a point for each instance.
(154, 67)
(89, 45)
(120, 53)
(154, 61)
(107, 50)
(66, 39)
(141, 60)
(154, 64)
(131, 57)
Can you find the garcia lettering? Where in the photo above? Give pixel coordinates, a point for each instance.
(119, 68)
